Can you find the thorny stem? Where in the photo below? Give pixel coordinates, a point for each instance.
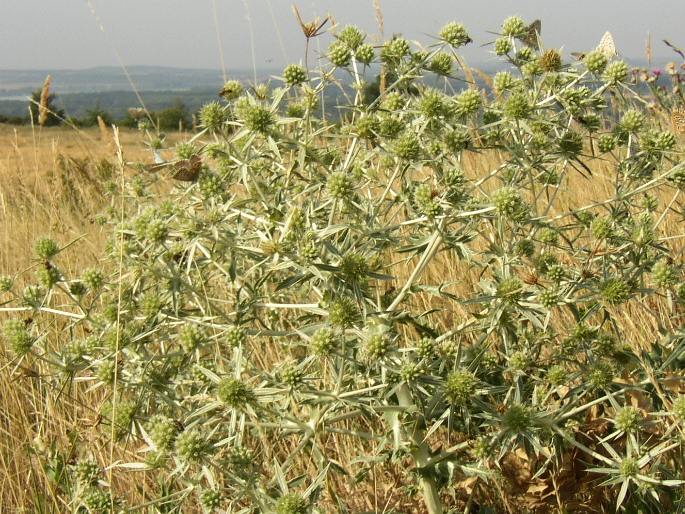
(420, 452)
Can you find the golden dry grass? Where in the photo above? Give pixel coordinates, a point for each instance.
(52, 183)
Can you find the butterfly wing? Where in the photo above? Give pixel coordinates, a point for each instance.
(531, 34)
(607, 46)
(154, 168)
(187, 170)
(678, 120)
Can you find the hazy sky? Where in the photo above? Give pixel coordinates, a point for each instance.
(58, 34)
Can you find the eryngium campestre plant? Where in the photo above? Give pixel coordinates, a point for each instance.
(421, 288)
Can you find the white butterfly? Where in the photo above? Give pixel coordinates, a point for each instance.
(606, 46)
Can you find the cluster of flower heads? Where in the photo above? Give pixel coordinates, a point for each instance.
(309, 286)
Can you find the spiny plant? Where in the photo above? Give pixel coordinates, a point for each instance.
(255, 338)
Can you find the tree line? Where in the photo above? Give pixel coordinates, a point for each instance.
(175, 117)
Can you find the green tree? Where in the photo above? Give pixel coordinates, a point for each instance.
(173, 117)
(91, 117)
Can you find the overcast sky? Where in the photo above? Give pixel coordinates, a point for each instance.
(59, 34)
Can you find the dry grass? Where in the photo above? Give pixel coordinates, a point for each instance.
(52, 183)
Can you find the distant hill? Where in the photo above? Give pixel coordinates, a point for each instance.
(110, 89)
(91, 80)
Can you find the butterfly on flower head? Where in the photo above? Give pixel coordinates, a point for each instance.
(606, 46)
(531, 34)
(678, 120)
(186, 170)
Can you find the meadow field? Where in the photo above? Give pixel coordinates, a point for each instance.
(440, 300)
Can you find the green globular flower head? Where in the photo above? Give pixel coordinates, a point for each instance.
(394, 50)
(33, 295)
(614, 291)
(339, 54)
(548, 298)
(213, 116)
(352, 37)
(616, 72)
(340, 185)
(556, 273)
(6, 284)
(292, 503)
(185, 150)
(606, 143)
(324, 342)
(77, 288)
(407, 146)
(294, 74)
(517, 107)
(460, 387)
(678, 179)
(503, 81)
(93, 278)
(211, 499)
(509, 204)
(18, 337)
(513, 26)
(156, 230)
(531, 69)
(365, 54)
(235, 393)
(191, 337)
(162, 431)
(457, 140)
(390, 126)
(258, 118)
(510, 290)
(46, 248)
(343, 312)
(425, 348)
(468, 102)
(96, 500)
(432, 104)
(601, 375)
(629, 467)
(678, 408)
(632, 121)
(571, 143)
(191, 446)
(367, 127)
(441, 64)
(503, 46)
(292, 376)
(664, 275)
(48, 276)
(235, 336)
(596, 62)
(628, 419)
(455, 34)
(517, 419)
(232, 90)
(602, 228)
(524, 55)
(393, 101)
(557, 375)
(87, 473)
(354, 267)
(377, 347)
